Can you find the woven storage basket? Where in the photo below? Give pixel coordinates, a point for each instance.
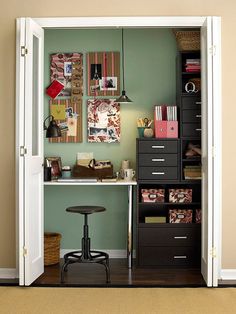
(188, 40)
(51, 248)
(197, 82)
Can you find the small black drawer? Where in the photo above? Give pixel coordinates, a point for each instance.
(158, 146)
(170, 236)
(164, 160)
(169, 256)
(158, 173)
(191, 102)
(192, 116)
(191, 129)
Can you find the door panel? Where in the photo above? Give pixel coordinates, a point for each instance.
(31, 210)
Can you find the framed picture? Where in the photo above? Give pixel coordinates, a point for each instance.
(55, 164)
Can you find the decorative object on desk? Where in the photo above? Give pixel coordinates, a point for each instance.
(55, 164)
(142, 124)
(83, 159)
(153, 195)
(51, 248)
(148, 132)
(165, 121)
(125, 164)
(69, 118)
(66, 172)
(187, 40)
(180, 215)
(103, 121)
(103, 73)
(123, 98)
(54, 89)
(129, 174)
(180, 195)
(61, 69)
(52, 130)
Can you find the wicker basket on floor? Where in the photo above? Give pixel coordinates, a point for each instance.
(188, 40)
(51, 248)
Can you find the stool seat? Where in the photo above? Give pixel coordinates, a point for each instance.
(85, 209)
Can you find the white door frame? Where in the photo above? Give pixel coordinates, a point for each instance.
(172, 22)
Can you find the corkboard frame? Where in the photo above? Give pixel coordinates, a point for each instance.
(109, 66)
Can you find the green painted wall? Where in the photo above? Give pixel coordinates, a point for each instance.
(150, 79)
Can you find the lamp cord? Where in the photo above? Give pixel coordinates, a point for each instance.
(123, 67)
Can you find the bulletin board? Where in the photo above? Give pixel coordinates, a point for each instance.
(103, 74)
(68, 116)
(103, 120)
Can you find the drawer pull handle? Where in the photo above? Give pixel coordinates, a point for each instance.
(198, 115)
(158, 173)
(198, 102)
(182, 237)
(198, 130)
(158, 146)
(180, 256)
(158, 159)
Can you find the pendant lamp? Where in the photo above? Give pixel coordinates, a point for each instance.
(123, 98)
(52, 130)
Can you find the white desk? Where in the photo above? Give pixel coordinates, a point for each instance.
(130, 185)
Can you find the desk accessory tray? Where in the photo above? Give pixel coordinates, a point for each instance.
(80, 171)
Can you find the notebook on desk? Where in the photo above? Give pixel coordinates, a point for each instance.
(78, 180)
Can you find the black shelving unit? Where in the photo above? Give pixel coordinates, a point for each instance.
(160, 165)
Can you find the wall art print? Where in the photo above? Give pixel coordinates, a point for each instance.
(103, 73)
(66, 67)
(103, 120)
(68, 116)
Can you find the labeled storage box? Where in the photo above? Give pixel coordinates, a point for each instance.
(180, 195)
(198, 216)
(166, 129)
(180, 216)
(153, 195)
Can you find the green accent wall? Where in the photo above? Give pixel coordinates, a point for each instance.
(150, 78)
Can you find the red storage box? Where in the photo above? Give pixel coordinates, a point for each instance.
(180, 195)
(180, 216)
(153, 195)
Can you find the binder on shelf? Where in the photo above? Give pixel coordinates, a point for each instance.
(165, 121)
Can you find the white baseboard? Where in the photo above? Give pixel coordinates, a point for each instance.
(228, 274)
(111, 253)
(7, 273)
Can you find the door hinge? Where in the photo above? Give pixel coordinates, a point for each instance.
(23, 151)
(213, 252)
(25, 252)
(24, 51)
(212, 50)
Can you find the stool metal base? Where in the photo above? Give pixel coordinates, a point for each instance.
(94, 257)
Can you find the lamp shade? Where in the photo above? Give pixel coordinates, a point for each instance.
(123, 98)
(53, 129)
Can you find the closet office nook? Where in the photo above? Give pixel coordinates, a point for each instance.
(157, 226)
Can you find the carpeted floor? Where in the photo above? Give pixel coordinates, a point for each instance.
(18, 300)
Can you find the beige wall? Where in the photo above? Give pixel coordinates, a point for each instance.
(11, 9)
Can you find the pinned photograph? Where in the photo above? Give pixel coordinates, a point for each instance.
(96, 72)
(69, 112)
(93, 131)
(93, 88)
(67, 68)
(108, 83)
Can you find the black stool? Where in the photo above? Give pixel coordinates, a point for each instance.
(85, 255)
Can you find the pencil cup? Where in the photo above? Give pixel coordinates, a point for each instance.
(141, 131)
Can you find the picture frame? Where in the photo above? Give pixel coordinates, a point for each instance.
(56, 166)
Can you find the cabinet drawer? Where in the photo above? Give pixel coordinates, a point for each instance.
(192, 116)
(169, 236)
(191, 129)
(158, 173)
(158, 146)
(169, 256)
(191, 102)
(164, 160)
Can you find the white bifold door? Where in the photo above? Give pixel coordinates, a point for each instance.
(29, 135)
(30, 43)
